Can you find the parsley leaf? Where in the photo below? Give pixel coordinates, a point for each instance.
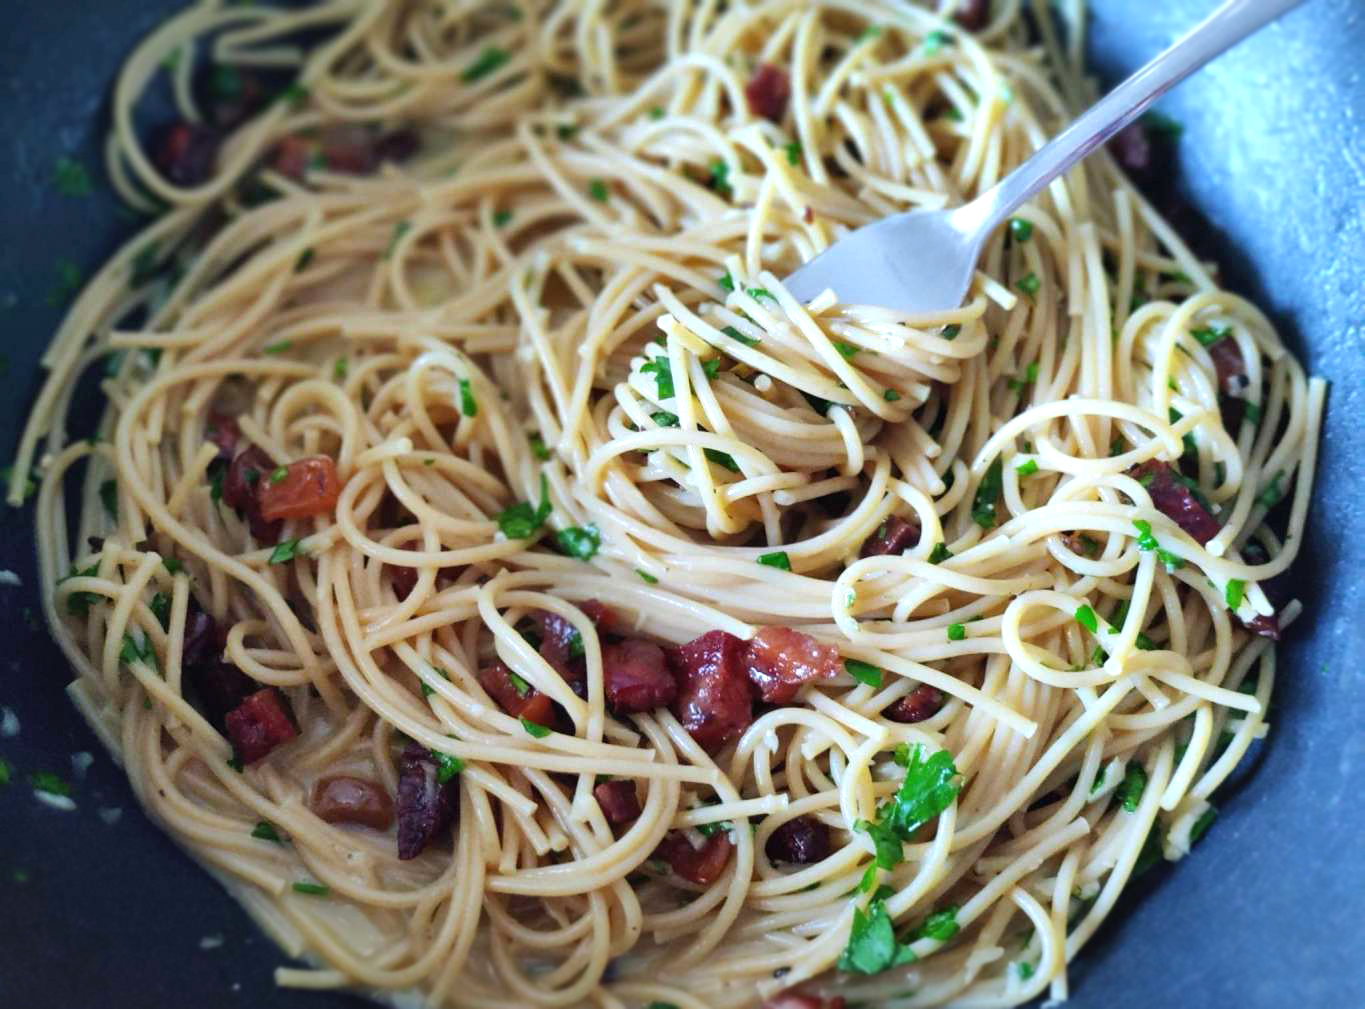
(579, 541)
(864, 672)
(777, 559)
(446, 766)
(285, 551)
(534, 729)
(1129, 792)
(872, 946)
(488, 60)
(663, 375)
(983, 506)
(520, 521)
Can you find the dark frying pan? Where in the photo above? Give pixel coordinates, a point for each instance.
(1265, 913)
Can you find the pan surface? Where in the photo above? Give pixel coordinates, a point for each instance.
(1265, 913)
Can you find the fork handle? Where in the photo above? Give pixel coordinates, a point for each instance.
(1220, 31)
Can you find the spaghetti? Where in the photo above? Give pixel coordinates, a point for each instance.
(493, 293)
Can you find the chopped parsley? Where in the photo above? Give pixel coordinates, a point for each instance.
(663, 375)
(872, 945)
(78, 603)
(501, 218)
(864, 672)
(137, 649)
(1029, 284)
(735, 334)
(720, 178)
(1272, 494)
(1209, 335)
(1161, 125)
(720, 458)
(70, 178)
(285, 551)
(519, 684)
(579, 541)
(1027, 468)
(656, 112)
(468, 405)
(941, 925)
(891, 395)
(646, 577)
(566, 131)
(939, 554)
(277, 348)
(340, 369)
(161, 609)
(1085, 616)
(712, 829)
(1129, 792)
(1020, 229)
(793, 149)
(956, 632)
(49, 783)
(294, 95)
(446, 766)
(597, 189)
(534, 729)
(726, 282)
(983, 506)
(777, 559)
(950, 332)
(312, 889)
(265, 831)
(488, 60)
(664, 419)
(711, 367)
(278, 474)
(1233, 593)
(847, 351)
(521, 521)
(6, 771)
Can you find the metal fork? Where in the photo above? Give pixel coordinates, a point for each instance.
(921, 262)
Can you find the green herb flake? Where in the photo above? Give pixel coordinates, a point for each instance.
(597, 189)
(793, 151)
(1129, 792)
(950, 332)
(519, 684)
(1146, 541)
(468, 405)
(1020, 229)
(846, 350)
(1027, 468)
(941, 925)
(285, 551)
(161, 609)
(1162, 125)
(265, 831)
(566, 131)
(872, 946)
(521, 521)
(1029, 284)
(539, 448)
(534, 729)
(277, 348)
(579, 541)
(726, 282)
(49, 783)
(71, 178)
(891, 395)
(488, 61)
(6, 772)
(646, 577)
(1085, 616)
(305, 257)
(447, 766)
(656, 112)
(109, 498)
(939, 554)
(777, 559)
(294, 95)
(711, 367)
(278, 474)
(1234, 592)
(720, 178)
(312, 889)
(663, 375)
(935, 41)
(1209, 335)
(1272, 494)
(722, 459)
(664, 418)
(340, 369)
(501, 218)
(864, 672)
(956, 632)
(983, 506)
(735, 334)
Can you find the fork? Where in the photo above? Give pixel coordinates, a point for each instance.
(921, 262)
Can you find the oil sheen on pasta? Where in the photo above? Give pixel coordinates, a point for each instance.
(555, 288)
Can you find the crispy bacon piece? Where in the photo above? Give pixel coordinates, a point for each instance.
(1230, 366)
(309, 487)
(619, 802)
(1266, 627)
(259, 724)
(343, 798)
(292, 156)
(703, 865)
(203, 642)
(973, 14)
(768, 91)
(224, 432)
(636, 677)
(715, 699)
(803, 840)
(517, 700)
(1175, 500)
(426, 807)
(921, 703)
(801, 1000)
(562, 646)
(185, 153)
(894, 537)
(241, 487)
(781, 661)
